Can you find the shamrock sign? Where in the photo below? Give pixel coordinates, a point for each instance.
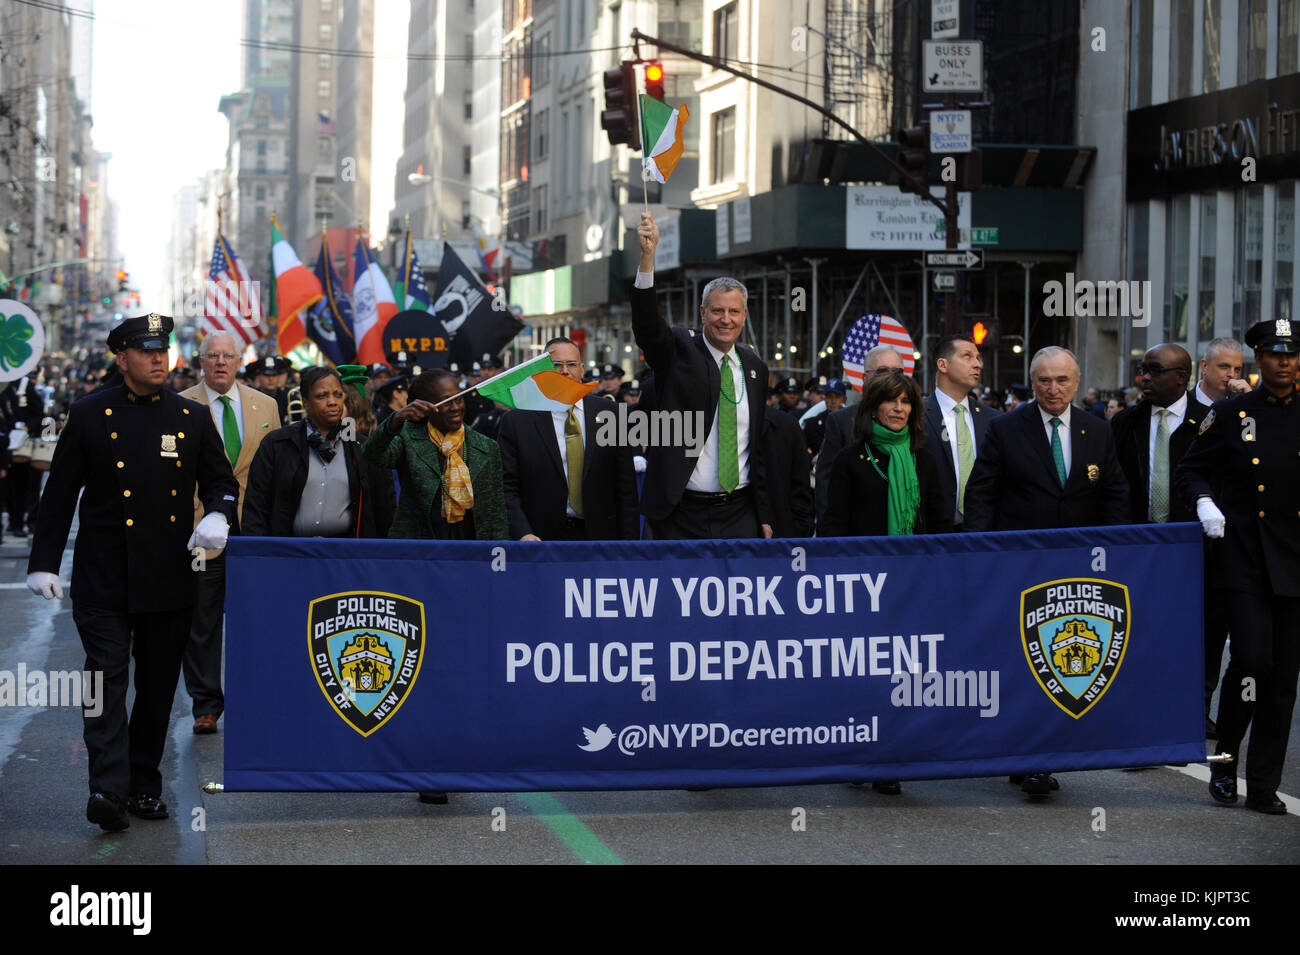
(22, 340)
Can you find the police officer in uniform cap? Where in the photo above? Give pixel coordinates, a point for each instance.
(788, 392)
(475, 404)
(138, 449)
(1242, 475)
(269, 375)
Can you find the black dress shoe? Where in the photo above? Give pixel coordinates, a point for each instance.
(1039, 784)
(1223, 783)
(146, 807)
(1211, 731)
(434, 797)
(1267, 803)
(106, 811)
(1016, 779)
(889, 787)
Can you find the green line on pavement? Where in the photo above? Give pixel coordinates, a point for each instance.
(571, 830)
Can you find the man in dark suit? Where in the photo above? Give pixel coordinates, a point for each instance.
(717, 490)
(788, 470)
(955, 423)
(839, 424)
(139, 450)
(1152, 436)
(1046, 464)
(542, 450)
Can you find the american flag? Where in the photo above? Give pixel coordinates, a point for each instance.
(868, 332)
(232, 302)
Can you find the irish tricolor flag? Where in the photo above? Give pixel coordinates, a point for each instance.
(535, 386)
(295, 289)
(661, 136)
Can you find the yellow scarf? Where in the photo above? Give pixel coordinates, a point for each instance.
(458, 490)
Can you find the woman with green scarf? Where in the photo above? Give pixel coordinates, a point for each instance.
(884, 483)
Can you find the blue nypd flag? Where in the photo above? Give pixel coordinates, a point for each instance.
(329, 322)
(412, 292)
(494, 665)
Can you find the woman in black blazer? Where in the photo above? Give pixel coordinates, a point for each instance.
(889, 433)
(883, 483)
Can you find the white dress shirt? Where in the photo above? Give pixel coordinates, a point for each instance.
(1202, 397)
(705, 476)
(946, 409)
(1178, 412)
(558, 420)
(218, 409)
(1065, 433)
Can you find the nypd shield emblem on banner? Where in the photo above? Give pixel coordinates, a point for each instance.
(366, 649)
(1075, 632)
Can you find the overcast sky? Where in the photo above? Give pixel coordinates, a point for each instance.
(159, 70)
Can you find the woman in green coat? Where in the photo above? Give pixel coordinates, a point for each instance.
(450, 474)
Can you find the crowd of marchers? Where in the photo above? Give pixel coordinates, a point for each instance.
(398, 452)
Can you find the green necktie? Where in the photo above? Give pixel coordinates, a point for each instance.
(573, 455)
(728, 458)
(1058, 452)
(965, 455)
(1160, 471)
(230, 430)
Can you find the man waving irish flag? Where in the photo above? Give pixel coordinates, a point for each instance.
(662, 137)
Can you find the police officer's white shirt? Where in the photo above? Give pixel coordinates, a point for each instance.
(1065, 433)
(1177, 412)
(217, 408)
(1202, 397)
(558, 421)
(705, 476)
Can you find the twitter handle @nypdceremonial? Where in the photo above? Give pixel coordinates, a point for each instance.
(634, 737)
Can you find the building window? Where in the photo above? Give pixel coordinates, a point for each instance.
(726, 32)
(1288, 41)
(259, 193)
(324, 62)
(1140, 60)
(326, 32)
(539, 209)
(1248, 260)
(261, 147)
(1177, 246)
(1252, 40)
(1284, 246)
(467, 157)
(1209, 239)
(262, 122)
(543, 123)
(326, 6)
(542, 60)
(1210, 58)
(1182, 29)
(469, 104)
(724, 145)
(464, 215)
(323, 89)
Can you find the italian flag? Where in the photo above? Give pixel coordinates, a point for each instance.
(535, 385)
(295, 289)
(661, 136)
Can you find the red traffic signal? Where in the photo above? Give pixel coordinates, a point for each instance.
(979, 331)
(983, 331)
(619, 119)
(654, 81)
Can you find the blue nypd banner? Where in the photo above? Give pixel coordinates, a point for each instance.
(462, 666)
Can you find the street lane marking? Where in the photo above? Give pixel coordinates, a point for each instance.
(570, 830)
(1201, 772)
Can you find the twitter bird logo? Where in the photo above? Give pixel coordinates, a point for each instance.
(597, 739)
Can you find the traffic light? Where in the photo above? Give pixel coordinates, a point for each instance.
(914, 156)
(654, 81)
(121, 281)
(619, 119)
(983, 330)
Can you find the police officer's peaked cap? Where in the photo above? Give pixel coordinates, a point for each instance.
(1274, 336)
(379, 368)
(815, 384)
(633, 387)
(790, 386)
(611, 371)
(489, 361)
(270, 365)
(150, 332)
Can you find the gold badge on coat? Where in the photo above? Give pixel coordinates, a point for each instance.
(169, 446)
(1094, 473)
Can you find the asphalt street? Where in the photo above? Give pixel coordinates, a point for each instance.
(1153, 816)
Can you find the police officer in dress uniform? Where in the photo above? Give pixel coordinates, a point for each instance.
(269, 375)
(139, 449)
(1242, 475)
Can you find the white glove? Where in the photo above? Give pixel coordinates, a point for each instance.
(211, 533)
(1210, 516)
(638, 463)
(44, 584)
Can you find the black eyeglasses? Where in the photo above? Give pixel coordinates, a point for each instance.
(1154, 370)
